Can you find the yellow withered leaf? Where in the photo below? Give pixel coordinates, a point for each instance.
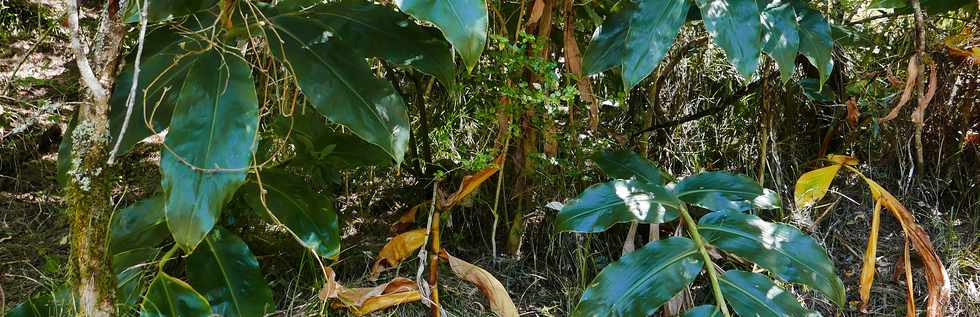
(365, 300)
(936, 277)
(868, 268)
(500, 301)
(842, 159)
(472, 182)
(909, 294)
(400, 247)
(813, 185)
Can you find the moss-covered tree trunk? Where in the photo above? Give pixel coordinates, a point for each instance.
(88, 190)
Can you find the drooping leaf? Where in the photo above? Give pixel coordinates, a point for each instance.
(752, 294)
(627, 164)
(813, 185)
(339, 84)
(463, 22)
(168, 296)
(782, 249)
(640, 282)
(607, 46)
(163, 68)
(209, 145)
(54, 303)
(573, 62)
(815, 40)
(781, 38)
(140, 225)
(162, 10)
(309, 217)
(400, 247)
(703, 311)
(735, 26)
(870, 258)
(129, 267)
(602, 205)
(721, 191)
(378, 31)
(471, 182)
(224, 270)
(365, 300)
(500, 301)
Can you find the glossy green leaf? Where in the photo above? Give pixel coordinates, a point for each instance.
(378, 31)
(602, 205)
(623, 164)
(129, 267)
(735, 26)
(780, 248)
(213, 129)
(162, 10)
(754, 295)
(340, 85)
(636, 38)
(309, 217)
(703, 311)
(64, 151)
(163, 67)
(782, 37)
(168, 297)
(463, 22)
(815, 40)
(224, 270)
(317, 143)
(142, 224)
(640, 282)
(53, 303)
(721, 191)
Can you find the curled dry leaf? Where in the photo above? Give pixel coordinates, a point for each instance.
(909, 294)
(400, 247)
(365, 300)
(573, 58)
(500, 301)
(407, 220)
(936, 276)
(852, 112)
(537, 10)
(868, 267)
(842, 159)
(913, 71)
(471, 183)
(918, 115)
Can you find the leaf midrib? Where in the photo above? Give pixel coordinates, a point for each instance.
(224, 275)
(753, 238)
(749, 295)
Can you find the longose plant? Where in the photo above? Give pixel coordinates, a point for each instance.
(639, 283)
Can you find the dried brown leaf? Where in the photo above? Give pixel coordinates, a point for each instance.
(400, 247)
(918, 115)
(364, 300)
(500, 301)
(913, 71)
(472, 182)
(870, 258)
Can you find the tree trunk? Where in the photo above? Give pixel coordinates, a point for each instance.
(89, 187)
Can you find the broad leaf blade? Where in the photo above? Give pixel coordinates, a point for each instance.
(752, 294)
(142, 224)
(400, 247)
(735, 26)
(608, 43)
(228, 275)
(813, 185)
(605, 204)
(463, 22)
(213, 128)
(816, 42)
(623, 164)
(378, 31)
(339, 84)
(703, 311)
(782, 249)
(500, 301)
(309, 217)
(57, 302)
(640, 282)
(782, 38)
(721, 191)
(168, 296)
(129, 268)
(653, 27)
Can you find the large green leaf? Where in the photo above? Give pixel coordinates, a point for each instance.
(602, 205)
(162, 10)
(317, 143)
(168, 297)
(735, 26)
(309, 217)
(340, 85)
(721, 191)
(782, 37)
(463, 22)
(54, 303)
(703, 311)
(163, 67)
(226, 272)
(129, 267)
(378, 31)
(754, 295)
(623, 164)
(640, 282)
(209, 146)
(636, 38)
(142, 224)
(782, 249)
(816, 42)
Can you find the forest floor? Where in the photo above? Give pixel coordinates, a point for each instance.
(36, 102)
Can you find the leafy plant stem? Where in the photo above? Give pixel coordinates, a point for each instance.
(434, 263)
(692, 228)
(167, 256)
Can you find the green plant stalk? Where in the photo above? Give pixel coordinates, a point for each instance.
(709, 265)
